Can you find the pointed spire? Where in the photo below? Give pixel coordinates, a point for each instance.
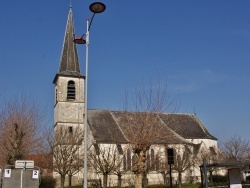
(69, 64)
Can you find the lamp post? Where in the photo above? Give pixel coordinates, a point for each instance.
(96, 8)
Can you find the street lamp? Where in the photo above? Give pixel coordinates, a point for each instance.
(96, 8)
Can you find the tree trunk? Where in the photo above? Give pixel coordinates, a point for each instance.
(144, 180)
(119, 185)
(179, 179)
(105, 180)
(138, 180)
(211, 176)
(164, 175)
(70, 180)
(62, 181)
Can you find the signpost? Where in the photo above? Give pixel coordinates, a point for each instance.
(24, 174)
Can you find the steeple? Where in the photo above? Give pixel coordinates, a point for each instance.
(69, 65)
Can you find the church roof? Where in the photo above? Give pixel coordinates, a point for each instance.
(69, 64)
(187, 125)
(104, 127)
(107, 127)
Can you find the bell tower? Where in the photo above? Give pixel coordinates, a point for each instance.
(69, 84)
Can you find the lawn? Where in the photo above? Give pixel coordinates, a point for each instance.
(156, 186)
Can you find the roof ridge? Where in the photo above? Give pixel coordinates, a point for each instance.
(203, 127)
(180, 113)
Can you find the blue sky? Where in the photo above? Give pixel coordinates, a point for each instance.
(200, 47)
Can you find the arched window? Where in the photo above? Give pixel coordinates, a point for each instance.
(128, 160)
(71, 93)
(124, 163)
(119, 148)
(157, 163)
(148, 161)
(152, 156)
(133, 161)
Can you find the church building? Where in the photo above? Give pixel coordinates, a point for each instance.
(105, 127)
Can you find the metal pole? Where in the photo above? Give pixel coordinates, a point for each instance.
(205, 172)
(21, 183)
(202, 177)
(86, 111)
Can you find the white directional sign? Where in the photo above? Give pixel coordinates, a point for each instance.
(7, 173)
(35, 174)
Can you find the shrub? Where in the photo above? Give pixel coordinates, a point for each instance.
(219, 178)
(47, 182)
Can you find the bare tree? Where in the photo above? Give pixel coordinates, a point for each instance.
(210, 155)
(143, 127)
(164, 171)
(182, 160)
(105, 159)
(236, 149)
(119, 174)
(156, 160)
(14, 145)
(67, 156)
(161, 165)
(120, 170)
(44, 161)
(21, 130)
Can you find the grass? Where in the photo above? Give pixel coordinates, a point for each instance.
(155, 186)
(225, 184)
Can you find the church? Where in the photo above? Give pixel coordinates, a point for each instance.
(106, 129)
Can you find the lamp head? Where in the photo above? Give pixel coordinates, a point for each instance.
(79, 40)
(97, 7)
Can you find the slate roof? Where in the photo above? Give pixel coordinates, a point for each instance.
(104, 127)
(187, 125)
(107, 127)
(69, 64)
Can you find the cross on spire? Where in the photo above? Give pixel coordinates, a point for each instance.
(70, 3)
